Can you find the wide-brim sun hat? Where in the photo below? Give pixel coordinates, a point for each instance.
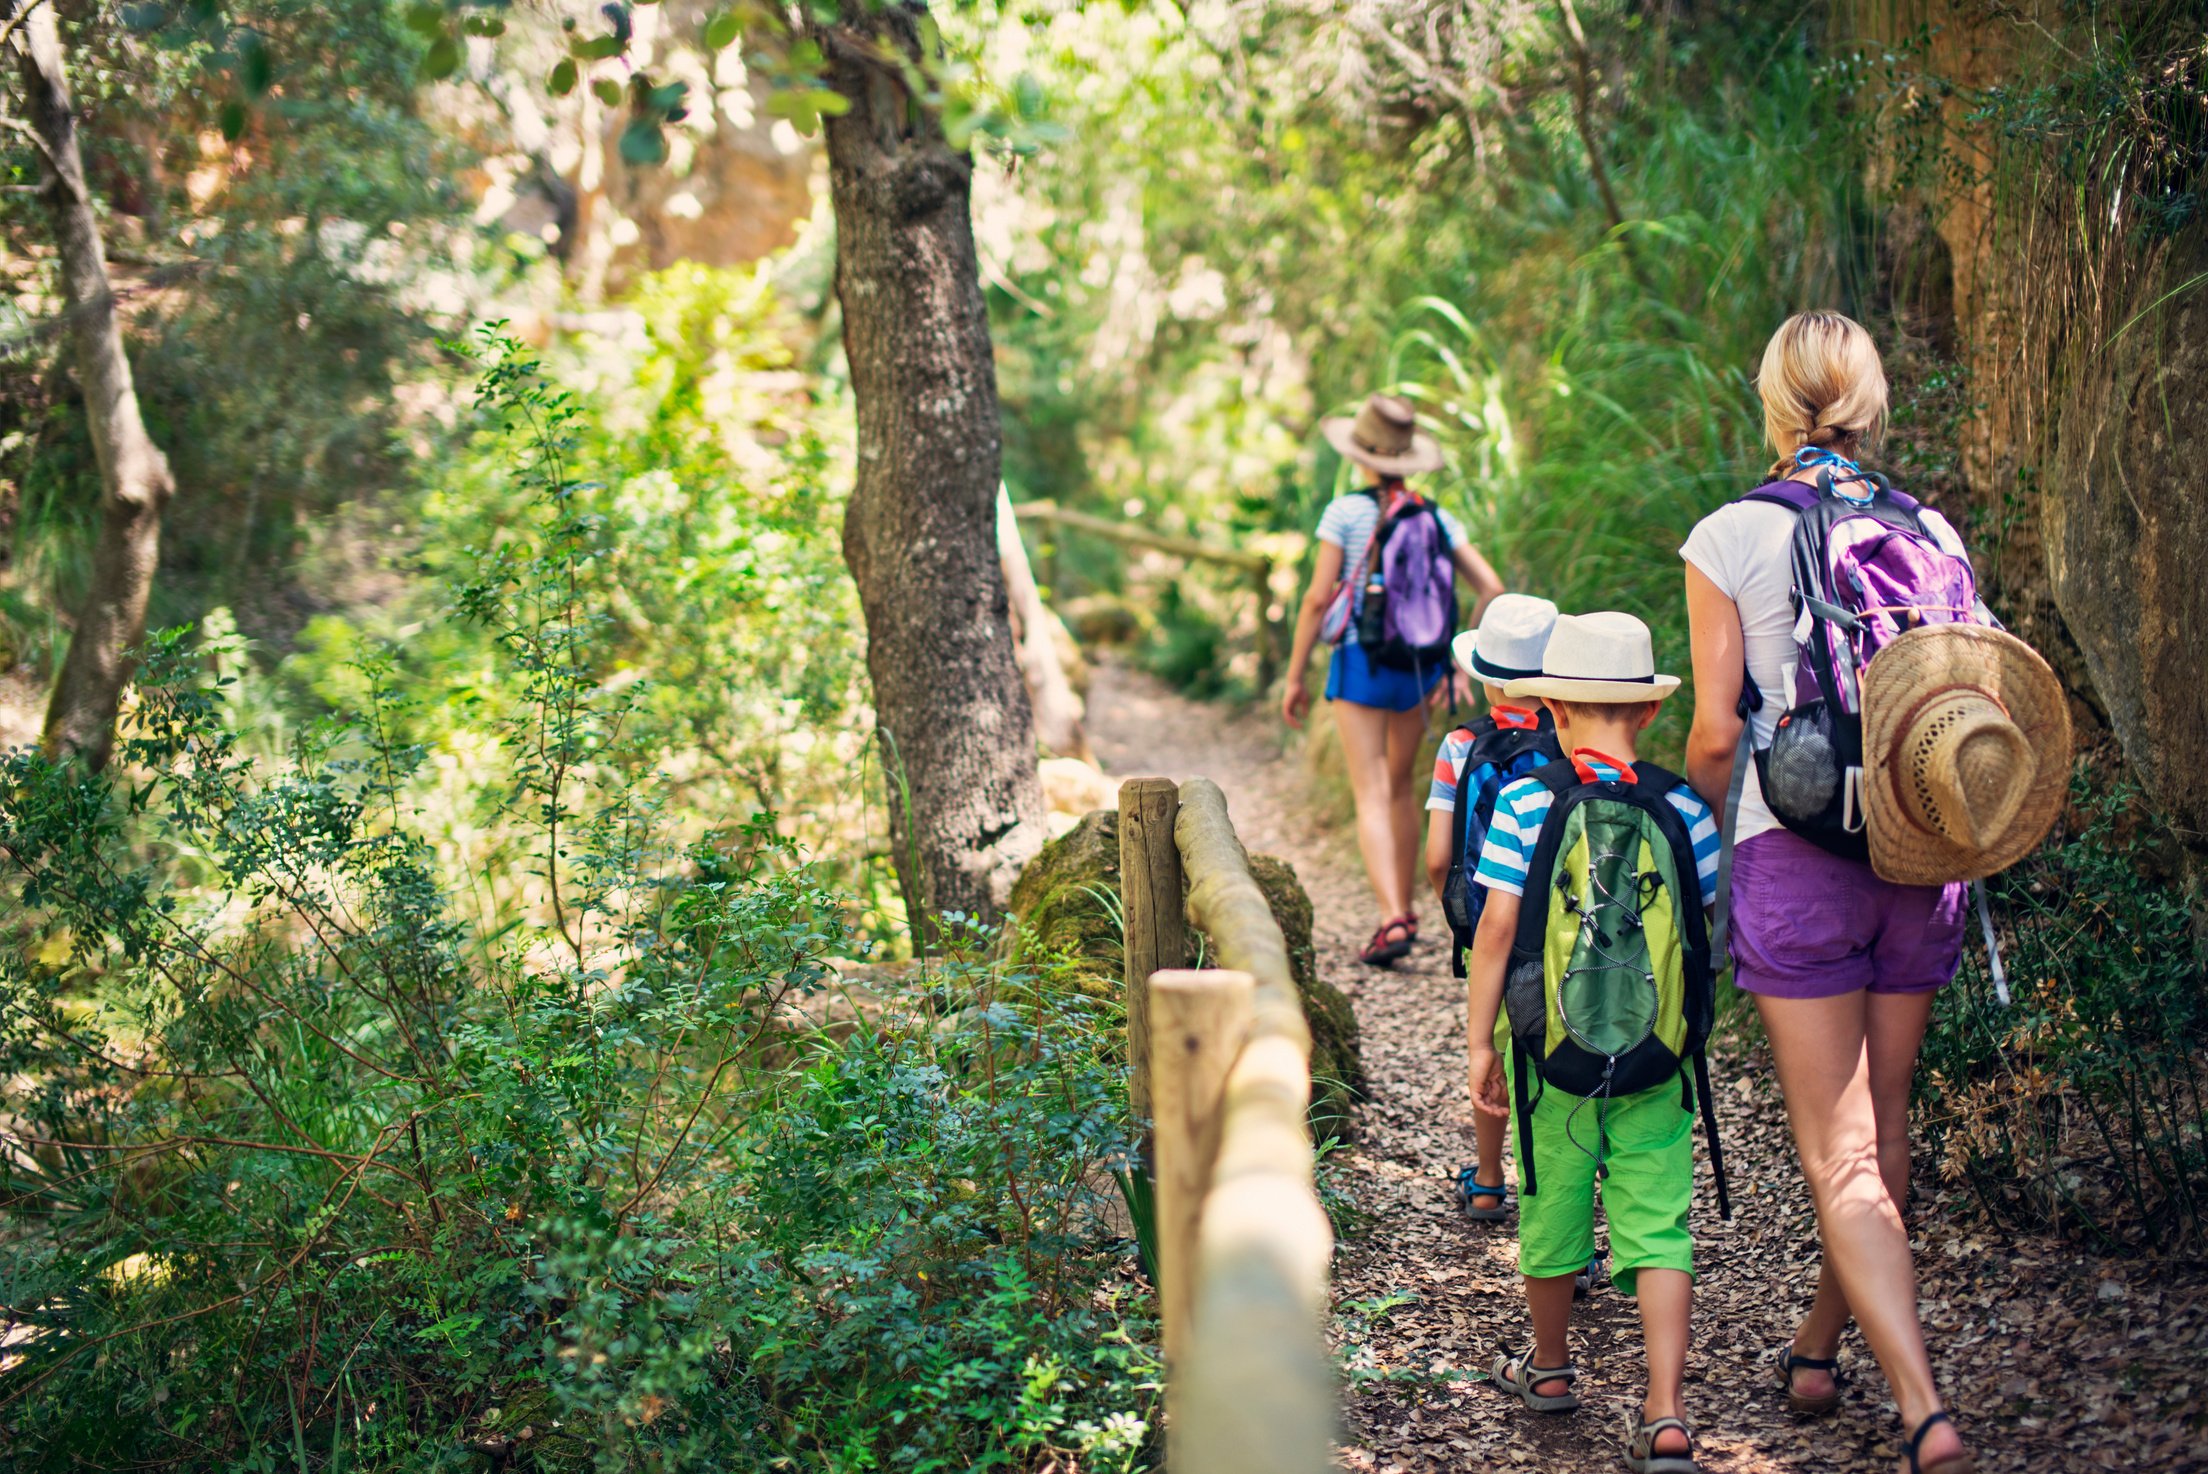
(1604, 657)
(1384, 436)
(1966, 753)
(1512, 637)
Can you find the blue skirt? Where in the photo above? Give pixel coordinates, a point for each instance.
(1351, 677)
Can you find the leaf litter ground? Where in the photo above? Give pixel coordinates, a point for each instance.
(2054, 1358)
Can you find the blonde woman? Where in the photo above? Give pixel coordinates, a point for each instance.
(1379, 708)
(1843, 965)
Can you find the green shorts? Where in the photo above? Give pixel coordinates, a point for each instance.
(1650, 1155)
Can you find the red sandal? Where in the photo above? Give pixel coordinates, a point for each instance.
(1383, 949)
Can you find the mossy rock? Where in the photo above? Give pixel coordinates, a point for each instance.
(1067, 903)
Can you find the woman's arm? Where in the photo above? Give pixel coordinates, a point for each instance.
(1295, 700)
(1477, 573)
(1720, 667)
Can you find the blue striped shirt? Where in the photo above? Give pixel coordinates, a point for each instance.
(1348, 523)
(1521, 808)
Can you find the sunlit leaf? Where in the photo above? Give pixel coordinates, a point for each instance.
(484, 25)
(608, 90)
(256, 66)
(426, 19)
(562, 80)
(721, 31)
(443, 59)
(145, 17)
(643, 143)
(594, 48)
(232, 120)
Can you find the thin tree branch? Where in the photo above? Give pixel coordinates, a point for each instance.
(1583, 103)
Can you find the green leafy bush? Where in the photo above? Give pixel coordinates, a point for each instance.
(335, 1147)
(2084, 1106)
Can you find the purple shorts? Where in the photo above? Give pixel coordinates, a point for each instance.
(1808, 924)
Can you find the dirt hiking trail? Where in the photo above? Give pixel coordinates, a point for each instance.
(2054, 1360)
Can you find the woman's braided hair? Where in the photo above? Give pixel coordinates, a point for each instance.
(1822, 384)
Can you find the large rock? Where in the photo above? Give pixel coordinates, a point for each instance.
(1067, 903)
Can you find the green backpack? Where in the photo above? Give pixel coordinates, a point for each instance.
(1610, 990)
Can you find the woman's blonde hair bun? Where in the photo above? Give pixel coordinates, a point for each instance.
(1822, 384)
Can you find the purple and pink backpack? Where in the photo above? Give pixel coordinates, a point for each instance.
(1865, 568)
(1408, 613)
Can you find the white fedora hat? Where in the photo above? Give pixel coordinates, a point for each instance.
(1512, 636)
(1598, 657)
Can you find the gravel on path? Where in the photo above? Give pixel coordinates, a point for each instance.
(2056, 1359)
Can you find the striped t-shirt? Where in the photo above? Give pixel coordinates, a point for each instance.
(1348, 523)
(1520, 808)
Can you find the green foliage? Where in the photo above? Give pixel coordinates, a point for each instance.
(341, 1150)
(2084, 1107)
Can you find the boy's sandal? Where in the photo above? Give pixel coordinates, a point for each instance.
(1961, 1463)
(1640, 1450)
(1789, 1364)
(1469, 1187)
(1383, 950)
(1518, 1376)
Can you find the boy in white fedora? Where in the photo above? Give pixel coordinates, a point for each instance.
(1598, 678)
(1476, 762)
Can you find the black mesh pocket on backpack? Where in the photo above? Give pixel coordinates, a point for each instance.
(1802, 771)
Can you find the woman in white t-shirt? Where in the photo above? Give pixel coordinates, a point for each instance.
(1380, 711)
(1843, 965)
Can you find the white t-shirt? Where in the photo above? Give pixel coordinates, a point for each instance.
(1744, 548)
(1348, 523)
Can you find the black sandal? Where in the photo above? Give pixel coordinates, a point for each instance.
(1789, 1364)
(1961, 1463)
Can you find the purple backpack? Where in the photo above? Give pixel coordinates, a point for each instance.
(1865, 569)
(1408, 614)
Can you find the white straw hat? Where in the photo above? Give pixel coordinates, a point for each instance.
(1512, 636)
(1597, 657)
(1966, 753)
(1385, 437)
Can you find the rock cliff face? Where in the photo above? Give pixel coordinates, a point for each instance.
(2081, 317)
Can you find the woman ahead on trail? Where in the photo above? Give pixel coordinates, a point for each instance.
(1373, 605)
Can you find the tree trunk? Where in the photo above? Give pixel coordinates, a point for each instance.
(1058, 707)
(966, 806)
(135, 482)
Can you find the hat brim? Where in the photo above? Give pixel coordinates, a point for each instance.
(1570, 688)
(1424, 454)
(1466, 649)
(1917, 665)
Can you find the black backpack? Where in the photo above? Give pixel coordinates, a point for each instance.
(1498, 757)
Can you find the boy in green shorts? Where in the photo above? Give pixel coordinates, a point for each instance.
(1631, 829)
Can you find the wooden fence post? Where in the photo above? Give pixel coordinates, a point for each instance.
(1198, 1021)
(1150, 908)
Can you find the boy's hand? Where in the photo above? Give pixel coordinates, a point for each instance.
(1489, 1092)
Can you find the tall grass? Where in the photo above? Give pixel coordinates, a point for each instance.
(1593, 386)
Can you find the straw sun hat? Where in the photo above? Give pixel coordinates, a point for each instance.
(1966, 753)
(1384, 436)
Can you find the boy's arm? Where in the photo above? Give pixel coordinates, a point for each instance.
(1484, 996)
(1440, 847)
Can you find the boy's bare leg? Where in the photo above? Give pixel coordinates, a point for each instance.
(1487, 1133)
(1666, 1298)
(1550, 1300)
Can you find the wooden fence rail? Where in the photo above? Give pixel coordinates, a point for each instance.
(1258, 569)
(1243, 1243)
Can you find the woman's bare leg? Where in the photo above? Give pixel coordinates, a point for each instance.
(1406, 731)
(1894, 1032)
(1365, 732)
(1821, 1049)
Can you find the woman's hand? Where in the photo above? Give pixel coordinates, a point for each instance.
(1456, 691)
(1489, 1091)
(1295, 702)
